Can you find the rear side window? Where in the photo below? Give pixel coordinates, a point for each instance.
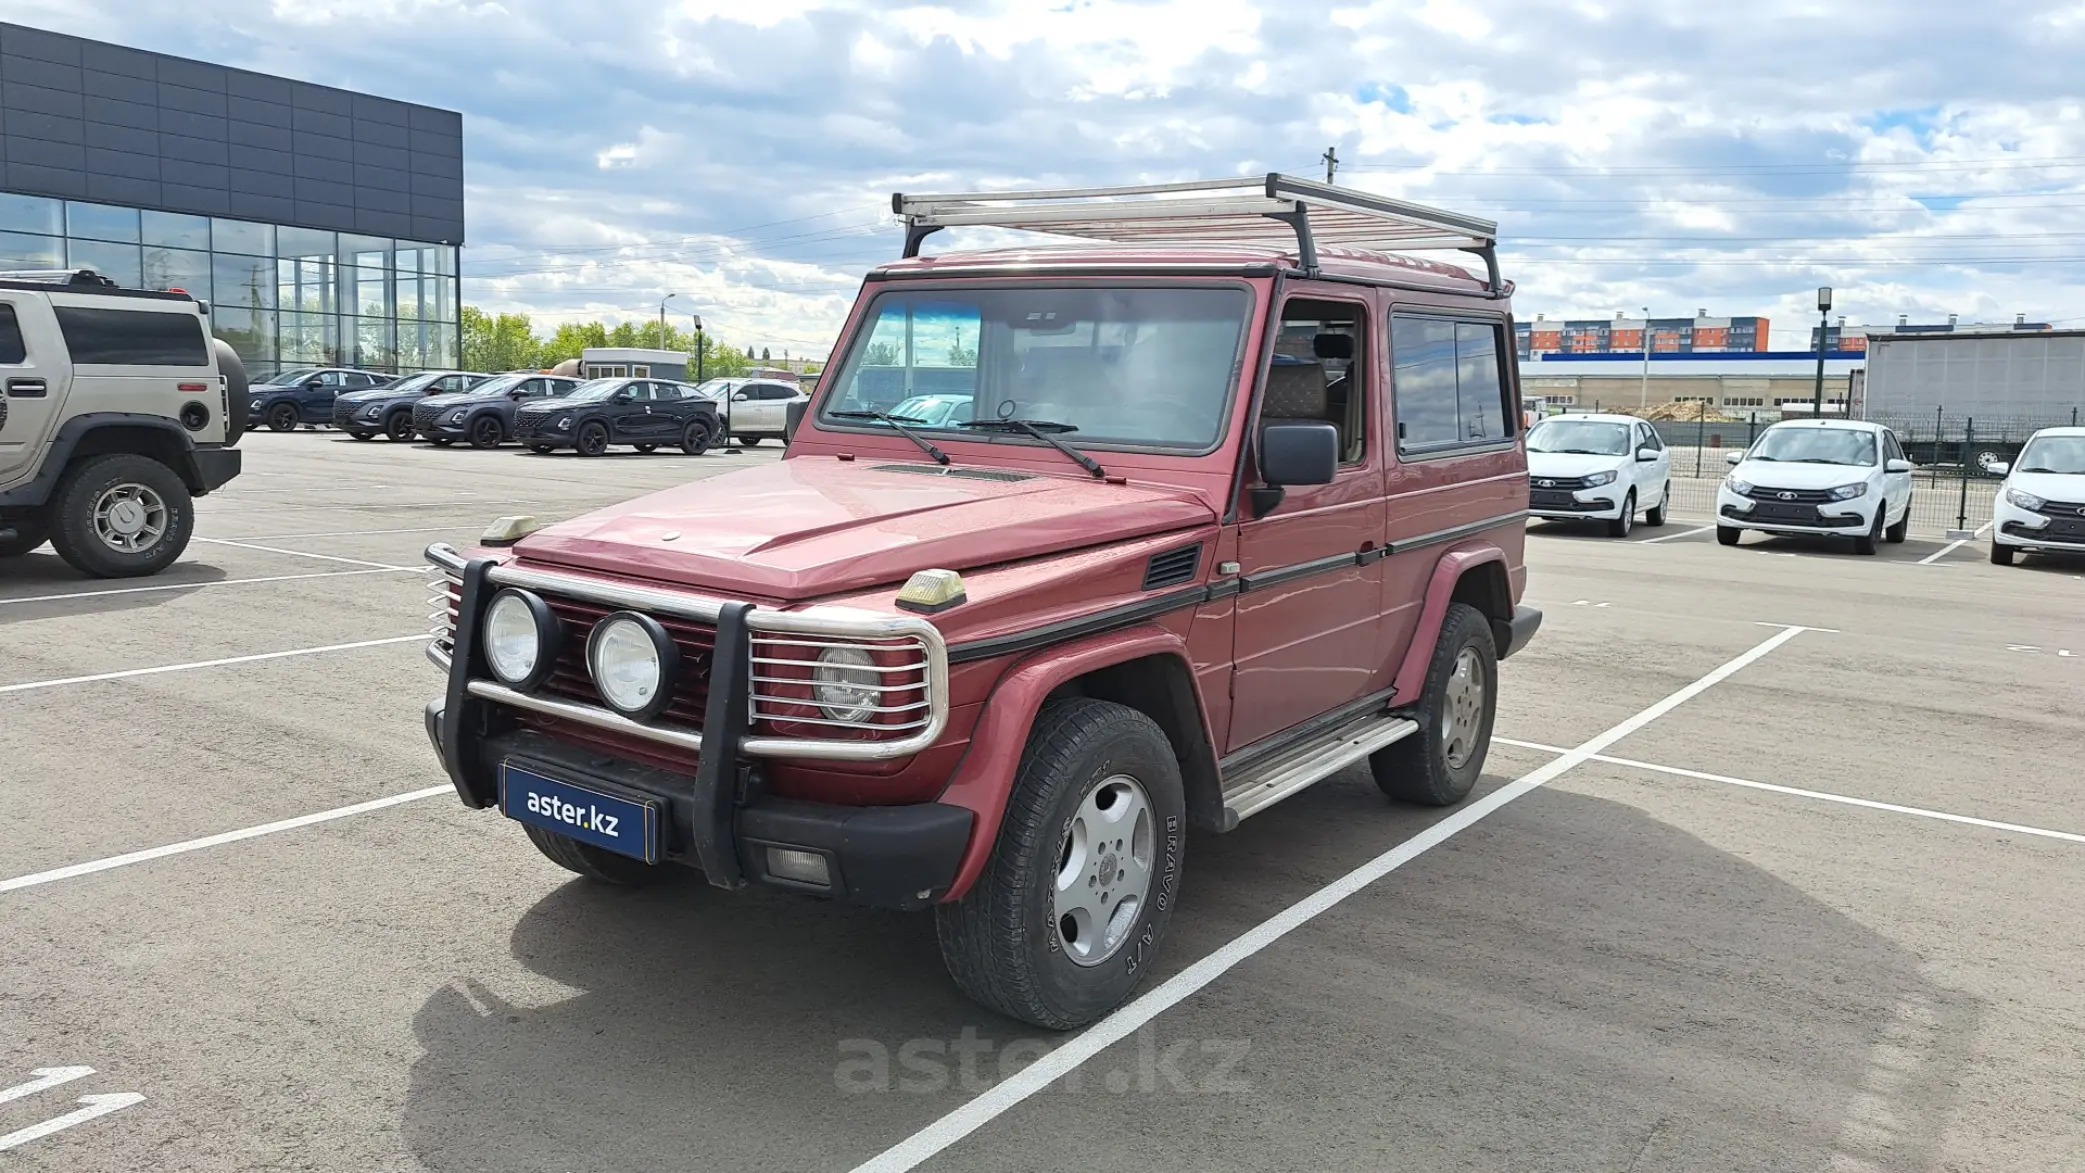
(133, 337)
(12, 350)
(1449, 387)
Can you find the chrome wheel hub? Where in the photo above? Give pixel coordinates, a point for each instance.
(130, 518)
(1104, 870)
(1462, 709)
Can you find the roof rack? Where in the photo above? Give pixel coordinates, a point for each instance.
(1271, 210)
(58, 277)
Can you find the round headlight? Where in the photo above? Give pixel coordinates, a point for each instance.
(633, 660)
(845, 683)
(521, 633)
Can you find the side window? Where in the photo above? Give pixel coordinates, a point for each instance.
(1650, 438)
(1450, 391)
(331, 378)
(641, 391)
(1319, 375)
(133, 337)
(12, 348)
(1892, 450)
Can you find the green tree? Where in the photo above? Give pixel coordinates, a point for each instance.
(881, 354)
(960, 356)
(502, 343)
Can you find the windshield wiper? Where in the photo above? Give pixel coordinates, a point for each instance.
(1041, 429)
(897, 423)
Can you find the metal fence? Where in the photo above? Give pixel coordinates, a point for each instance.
(1954, 456)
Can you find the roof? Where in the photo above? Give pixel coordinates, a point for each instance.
(2066, 430)
(1598, 417)
(628, 353)
(2008, 335)
(1844, 425)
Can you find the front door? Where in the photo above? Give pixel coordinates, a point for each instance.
(1308, 629)
(315, 397)
(34, 379)
(1896, 485)
(638, 420)
(1653, 478)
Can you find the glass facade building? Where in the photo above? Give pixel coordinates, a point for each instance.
(322, 225)
(281, 295)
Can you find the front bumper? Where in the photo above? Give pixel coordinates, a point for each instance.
(442, 431)
(2026, 530)
(903, 857)
(540, 435)
(1846, 518)
(1601, 504)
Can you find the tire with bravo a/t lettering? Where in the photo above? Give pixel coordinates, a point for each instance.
(592, 862)
(1072, 906)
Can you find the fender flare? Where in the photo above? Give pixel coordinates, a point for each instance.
(985, 780)
(57, 455)
(1440, 591)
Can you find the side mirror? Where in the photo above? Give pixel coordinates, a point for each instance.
(1646, 455)
(623, 396)
(794, 419)
(1905, 466)
(1997, 468)
(519, 393)
(1734, 458)
(1294, 454)
(314, 384)
(742, 397)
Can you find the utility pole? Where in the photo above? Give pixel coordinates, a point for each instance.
(1643, 398)
(1331, 158)
(1824, 319)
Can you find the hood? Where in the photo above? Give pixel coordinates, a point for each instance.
(450, 398)
(815, 526)
(543, 406)
(1778, 474)
(2050, 486)
(377, 395)
(1570, 464)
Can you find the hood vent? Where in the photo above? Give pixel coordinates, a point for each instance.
(961, 474)
(1173, 568)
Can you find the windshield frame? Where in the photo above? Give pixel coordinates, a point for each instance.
(2065, 439)
(1875, 447)
(1628, 432)
(1251, 348)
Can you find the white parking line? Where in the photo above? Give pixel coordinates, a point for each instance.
(1953, 546)
(303, 554)
(1674, 537)
(215, 582)
(116, 861)
(128, 673)
(1818, 795)
(920, 1146)
(90, 1107)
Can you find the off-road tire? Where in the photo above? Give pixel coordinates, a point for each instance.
(398, 426)
(487, 432)
(282, 418)
(2003, 555)
(29, 533)
(72, 516)
(1868, 542)
(592, 439)
(1417, 768)
(696, 438)
(236, 422)
(1896, 534)
(1655, 515)
(595, 864)
(1620, 526)
(1000, 942)
(1728, 535)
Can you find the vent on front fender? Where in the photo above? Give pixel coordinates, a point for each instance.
(1173, 568)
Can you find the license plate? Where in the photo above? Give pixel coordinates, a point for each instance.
(589, 816)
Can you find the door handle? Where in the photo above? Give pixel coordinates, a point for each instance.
(27, 388)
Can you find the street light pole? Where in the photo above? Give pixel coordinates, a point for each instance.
(1643, 398)
(699, 347)
(1824, 310)
(662, 318)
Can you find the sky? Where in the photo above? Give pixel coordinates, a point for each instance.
(1922, 157)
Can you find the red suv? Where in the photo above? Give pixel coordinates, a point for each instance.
(1233, 504)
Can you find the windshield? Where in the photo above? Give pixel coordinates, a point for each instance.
(2065, 454)
(1814, 445)
(596, 390)
(497, 385)
(296, 376)
(716, 388)
(1147, 367)
(1580, 436)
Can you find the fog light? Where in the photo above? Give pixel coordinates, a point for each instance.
(803, 867)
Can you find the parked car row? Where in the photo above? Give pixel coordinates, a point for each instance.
(1846, 478)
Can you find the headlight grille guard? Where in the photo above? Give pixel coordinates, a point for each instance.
(913, 648)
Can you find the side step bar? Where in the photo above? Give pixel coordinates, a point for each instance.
(1312, 760)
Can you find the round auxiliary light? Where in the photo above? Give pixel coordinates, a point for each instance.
(845, 683)
(633, 660)
(521, 638)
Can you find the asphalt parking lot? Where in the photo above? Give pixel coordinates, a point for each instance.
(1777, 866)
